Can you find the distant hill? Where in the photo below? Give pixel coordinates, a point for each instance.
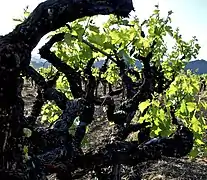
(197, 66)
(37, 63)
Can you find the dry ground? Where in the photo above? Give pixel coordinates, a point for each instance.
(165, 169)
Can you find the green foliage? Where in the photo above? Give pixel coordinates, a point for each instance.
(50, 111)
(191, 106)
(84, 36)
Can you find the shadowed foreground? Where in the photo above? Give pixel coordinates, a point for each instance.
(165, 169)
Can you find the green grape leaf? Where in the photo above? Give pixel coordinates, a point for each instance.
(98, 39)
(183, 108)
(67, 38)
(195, 124)
(94, 29)
(191, 106)
(199, 142)
(157, 131)
(194, 152)
(144, 105)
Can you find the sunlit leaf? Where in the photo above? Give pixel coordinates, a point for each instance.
(144, 105)
(191, 106)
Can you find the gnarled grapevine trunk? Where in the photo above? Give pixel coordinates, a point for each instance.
(32, 152)
(15, 56)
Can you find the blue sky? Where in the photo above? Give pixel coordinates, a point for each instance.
(189, 15)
